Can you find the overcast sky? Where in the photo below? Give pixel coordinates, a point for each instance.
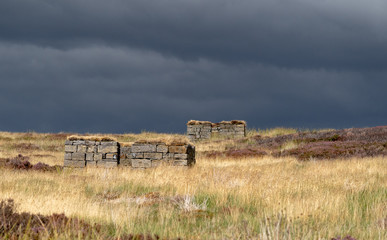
(124, 66)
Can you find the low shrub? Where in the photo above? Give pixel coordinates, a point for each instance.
(21, 162)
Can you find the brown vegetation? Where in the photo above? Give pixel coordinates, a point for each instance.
(332, 144)
(25, 225)
(21, 162)
(195, 122)
(91, 138)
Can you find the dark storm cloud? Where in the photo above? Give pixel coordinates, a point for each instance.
(127, 66)
(300, 34)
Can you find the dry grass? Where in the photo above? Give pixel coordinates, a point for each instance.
(195, 122)
(251, 198)
(170, 140)
(92, 138)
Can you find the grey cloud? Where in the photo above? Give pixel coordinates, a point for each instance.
(115, 89)
(341, 35)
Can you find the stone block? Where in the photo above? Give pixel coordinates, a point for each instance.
(78, 156)
(109, 143)
(89, 156)
(126, 162)
(190, 131)
(181, 156)
(136, 148)
(111, 156)
(89, 143)
(168, 156)
(125, 150)
(98, 157)
(68, 142)
(153, 155)
(177, 149)
(67, 156)
(162, 148)
(137, 155)
(78, 142)
(91, 163)
(75, 164)
(141, 163)
(91, 149)
(70, 148)
(180, 163)
(81, 148)
(107, 149)
(156, 163)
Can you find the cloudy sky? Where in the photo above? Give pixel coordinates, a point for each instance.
(130, 65)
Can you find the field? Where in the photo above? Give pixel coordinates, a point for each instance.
(235, 191)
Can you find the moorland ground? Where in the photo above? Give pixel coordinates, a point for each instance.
(235, 191)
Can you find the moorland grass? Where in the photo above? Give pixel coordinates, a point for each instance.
(218, 198)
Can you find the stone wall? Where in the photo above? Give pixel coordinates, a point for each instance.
(81, 152)
(204, 130)
(199, 130)
(148, 154)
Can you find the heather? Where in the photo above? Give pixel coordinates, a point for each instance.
(312, 145)
(236, 194)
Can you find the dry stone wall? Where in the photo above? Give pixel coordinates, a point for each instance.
(147, 154)
(144, 154)
(201, 130)
(204, 130)
(81, 153)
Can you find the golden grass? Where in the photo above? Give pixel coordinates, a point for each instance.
(170, 140)
(252, 198)
(196, 122)
(92, 138)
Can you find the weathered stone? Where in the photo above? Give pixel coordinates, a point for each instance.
(107, 149)
(162, 148)
(190, 131)
(68, 142)
(126, 162)
(97, 156)
(168, 156)
(125, 150)
(67, 156)
(70, 148)
(78, 142)
(89, 143)
(81, 148)
(137, 155)
(91, 149)
(177, 149)
(180, 163)
(78, 156)
(181, 156)
(111, 156)
(156, 163)
(141, 163)
(153, 155)
(109, 143)
(143, 148)
(76, 164)
(89, 156)
(91, 163)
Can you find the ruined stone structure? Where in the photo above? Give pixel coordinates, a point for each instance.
(146, 154)
(81, 152)
(91, 151)
(204, 130)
